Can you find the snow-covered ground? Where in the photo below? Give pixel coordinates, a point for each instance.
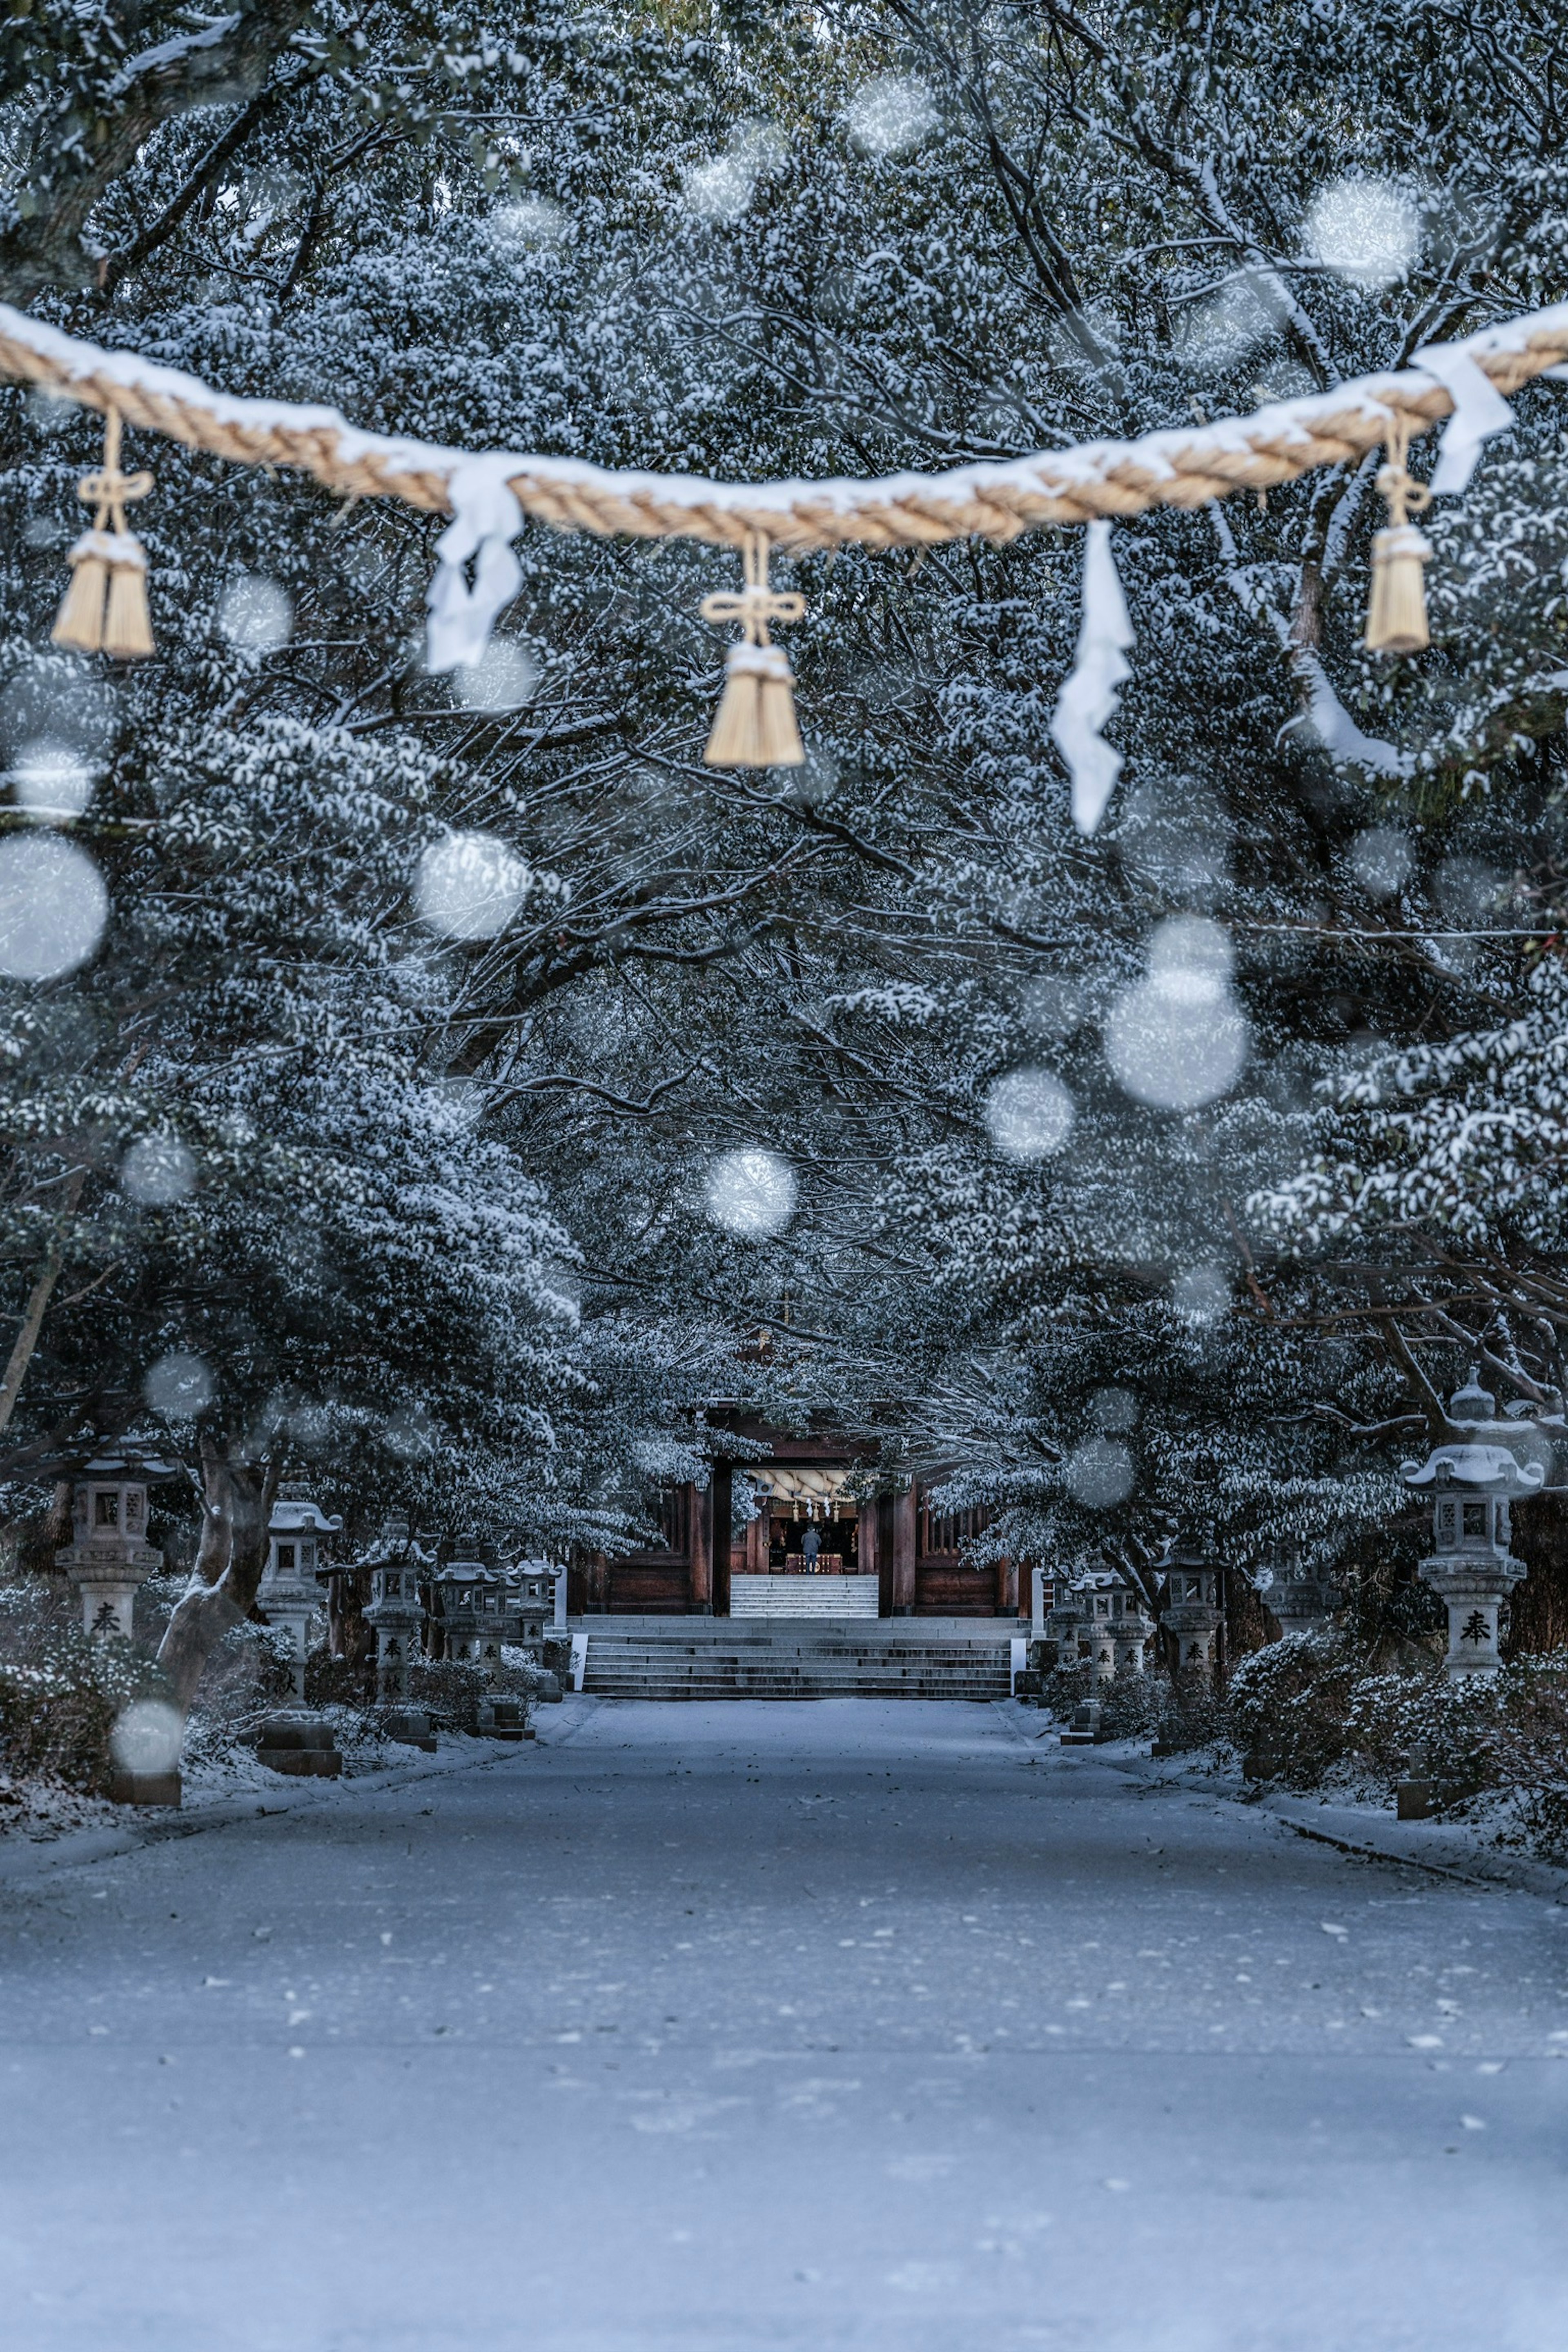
(706, 2028)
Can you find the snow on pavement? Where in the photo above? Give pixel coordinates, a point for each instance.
(849, 2024)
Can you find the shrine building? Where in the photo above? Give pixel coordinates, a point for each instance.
(806, 1540)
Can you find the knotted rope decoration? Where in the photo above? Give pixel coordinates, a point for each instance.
(1396, 617)
(755, 724)
(107, 560)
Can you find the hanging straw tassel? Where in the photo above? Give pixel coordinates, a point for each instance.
(108, 566)
(1396, 616)
(755, 724)
(128, 631)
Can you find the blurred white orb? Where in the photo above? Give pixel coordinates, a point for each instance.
(157, 1171)
(1367, 230)
(1191, 955)
(255, 614)
(721, 190)
(1202, 1294)
(1381, 859)
(147, 1735)
(1030, 1114)
(469, 886)
(52, 779)
(505, 677)
(1113, 1409)
(752, 1194)
(1178, 1039)
(1099, 1474)
(53, 907)
(891, 114)
(179, 1385)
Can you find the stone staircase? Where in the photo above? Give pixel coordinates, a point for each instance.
(825, 1662)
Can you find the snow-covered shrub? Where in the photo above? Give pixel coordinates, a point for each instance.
(1533, 1748)
(1188, 1712)
(1129, 1706)
(452, 1689)
(337, 1681)
(61, 1693)
(1288, 1705)
(1454, 1725)
(246, 1676)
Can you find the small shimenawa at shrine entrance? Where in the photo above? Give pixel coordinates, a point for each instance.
(800, 1533)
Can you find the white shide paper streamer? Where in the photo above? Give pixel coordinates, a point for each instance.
(1479, 410)
(1089, 696)
(486, 518)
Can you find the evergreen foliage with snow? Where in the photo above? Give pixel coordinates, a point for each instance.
(431, 1126)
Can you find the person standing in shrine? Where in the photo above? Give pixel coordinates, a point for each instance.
(811, 1544)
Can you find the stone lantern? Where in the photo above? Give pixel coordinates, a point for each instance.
(1115, 1631)
(1066, 1625)
(1132, 1627)
(394, 1610)
(109, 1557)
(532, 1603)
(1471, 1568)
(1192, 1613)
(1301, 1594)
(473, 1609)
(289, 1594)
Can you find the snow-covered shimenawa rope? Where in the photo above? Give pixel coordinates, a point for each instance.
(490, 493)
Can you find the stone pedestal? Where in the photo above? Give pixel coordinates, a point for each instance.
(411, 1728)
(503, 1719)
(302, 1746)
(144, 1788)
(1473, 1598)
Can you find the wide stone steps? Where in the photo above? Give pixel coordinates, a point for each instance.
(828, 1666)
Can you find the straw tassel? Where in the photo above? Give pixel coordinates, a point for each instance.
(105, 608)
(1396, 616)
(755, 724)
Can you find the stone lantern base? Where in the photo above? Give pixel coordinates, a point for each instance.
(396, 1637)
(1472, 1593)
(1130, 1649)
(1196, 1628)
(108, 1576)
(292, 1617)
(145, 1788)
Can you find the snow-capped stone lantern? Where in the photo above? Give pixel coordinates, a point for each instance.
(1192, 1613)
(1115, 1629)
(473, 1608)
(1066, 1625)
(108, 1557)
(1301, 1594)
(289, 1594)
(532, 1603)
(1471, 1569)
(395, 1609)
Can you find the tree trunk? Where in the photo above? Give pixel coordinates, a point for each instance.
(237, 1496)
(38, 1305)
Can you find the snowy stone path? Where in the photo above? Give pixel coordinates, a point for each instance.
(706, 2028)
